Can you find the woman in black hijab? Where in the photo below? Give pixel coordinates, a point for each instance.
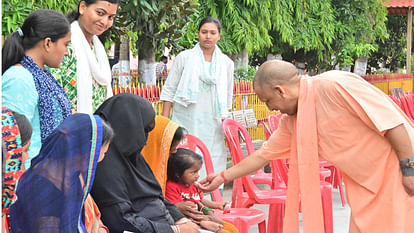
(125, 189)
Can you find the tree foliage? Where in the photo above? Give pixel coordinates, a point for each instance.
(15, 11)
(158, 24)
(360, 25)
(322, 33)
(245, 24)
(392, 53)
(318, 31)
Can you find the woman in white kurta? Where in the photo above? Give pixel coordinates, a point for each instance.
(199, 89)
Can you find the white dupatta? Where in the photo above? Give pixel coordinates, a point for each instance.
(214, 74)
(88, 66)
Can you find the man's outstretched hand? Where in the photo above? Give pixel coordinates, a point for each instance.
(211, 182)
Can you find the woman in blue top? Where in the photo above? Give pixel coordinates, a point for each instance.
(27, 86)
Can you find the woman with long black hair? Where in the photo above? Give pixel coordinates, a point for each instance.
(27, 85)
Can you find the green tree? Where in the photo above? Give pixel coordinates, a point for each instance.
(392, 53)
(360, 25)
(327, 32)
(158, 25)
(15, 11)
(245, 24)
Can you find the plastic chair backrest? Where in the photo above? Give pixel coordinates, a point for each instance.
(406, 108)
(274, 121)
(193, 143)
(396, 100)
(266, 128)
(279, 168)
(231, 129)
(282, 169)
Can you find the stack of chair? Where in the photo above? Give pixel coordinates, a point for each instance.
(241, 218)
(247, 194)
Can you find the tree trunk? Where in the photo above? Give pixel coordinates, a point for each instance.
(360, 66)
(233, 57)
(116, 51)
(242, 59)
(146, 64)
(124, 48)
(409, 39)
(124, 71)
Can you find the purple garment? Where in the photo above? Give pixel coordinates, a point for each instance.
(52, 192)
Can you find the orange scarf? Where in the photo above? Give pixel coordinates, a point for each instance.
(157, 150)
(304, 168)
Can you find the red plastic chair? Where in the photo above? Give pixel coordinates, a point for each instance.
(396, 100)
(260, 177)
(333, 175)
(274, 121)
(410, 101)
(245, 192)
(266, 128)
(280, 166)
(241, 218)
(279, 169)
(407, 107)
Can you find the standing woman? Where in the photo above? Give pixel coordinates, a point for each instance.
(199, 89)
(85, 73)
(27, 86)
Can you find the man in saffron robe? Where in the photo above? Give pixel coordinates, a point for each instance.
(351, 124)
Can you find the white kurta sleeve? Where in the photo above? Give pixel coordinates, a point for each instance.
(173, 79)
(230, 83)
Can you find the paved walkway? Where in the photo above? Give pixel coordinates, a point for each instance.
(340, 214)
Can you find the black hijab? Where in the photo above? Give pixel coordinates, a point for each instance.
(123, 175)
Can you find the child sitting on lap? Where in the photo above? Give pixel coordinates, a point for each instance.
(182, 171)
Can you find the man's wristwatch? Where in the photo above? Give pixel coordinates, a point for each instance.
(407, 166)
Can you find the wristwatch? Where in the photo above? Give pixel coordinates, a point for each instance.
(407, 166)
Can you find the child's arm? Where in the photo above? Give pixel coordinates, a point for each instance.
(214, 204)
(187, 208)
(209, 212)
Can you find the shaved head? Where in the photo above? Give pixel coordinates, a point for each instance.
(276, 72)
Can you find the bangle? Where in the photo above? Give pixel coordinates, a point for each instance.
(186, 220)
(205, 210)
(222, 176)
(177, 229)
(406, 163)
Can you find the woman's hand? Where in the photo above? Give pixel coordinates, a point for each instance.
(213, 218)
(188, 227)
(189, 209)
(211, 226)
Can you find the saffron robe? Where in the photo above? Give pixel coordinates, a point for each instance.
(344, 119)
